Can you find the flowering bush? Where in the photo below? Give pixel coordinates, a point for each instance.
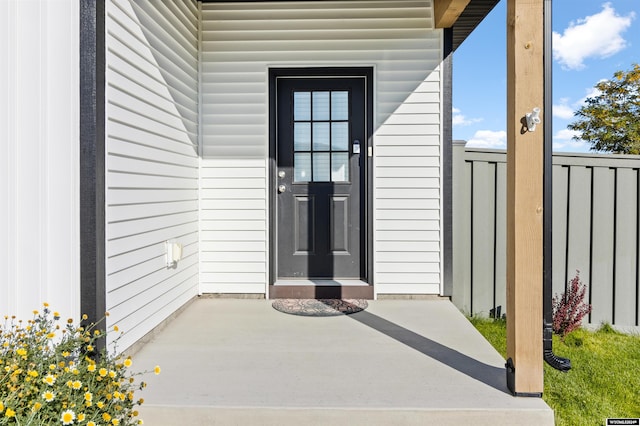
(54, 374)
(570, 308)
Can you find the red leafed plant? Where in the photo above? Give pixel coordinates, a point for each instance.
(570, 308)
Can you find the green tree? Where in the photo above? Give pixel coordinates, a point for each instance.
(610, 120)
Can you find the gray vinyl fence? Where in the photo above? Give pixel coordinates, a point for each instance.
(595, 231)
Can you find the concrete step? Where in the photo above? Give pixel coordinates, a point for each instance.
(247, 416)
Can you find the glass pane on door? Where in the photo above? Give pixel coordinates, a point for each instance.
(302, 136)
(321, 167)
(321, 136)
(302, 167)
(339, 166)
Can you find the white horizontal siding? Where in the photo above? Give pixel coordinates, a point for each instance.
(233, 222)
(39, 166)
(407, 194)
(240, 42)
(152, 161)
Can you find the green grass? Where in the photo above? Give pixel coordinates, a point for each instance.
(604, 381)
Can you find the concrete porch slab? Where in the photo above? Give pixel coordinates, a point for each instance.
(400, 362)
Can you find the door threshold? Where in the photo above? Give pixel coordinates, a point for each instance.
(323, 282)
(321, 289)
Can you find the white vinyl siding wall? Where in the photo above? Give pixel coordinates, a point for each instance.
(407, 193)
(39, 167)
(240, 42)
(152, 172)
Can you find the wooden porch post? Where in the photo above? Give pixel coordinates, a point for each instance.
(525, 89)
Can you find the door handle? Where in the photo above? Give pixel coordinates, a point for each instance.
(281, 188)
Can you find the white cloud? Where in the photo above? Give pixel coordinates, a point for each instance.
(596, 36)
(459, 119)
(565, 110)
(562, 110)
(563, 141)
(488, 139)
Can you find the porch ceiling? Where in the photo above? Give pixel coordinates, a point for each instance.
(469, 19)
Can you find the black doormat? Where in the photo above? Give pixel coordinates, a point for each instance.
(320, 307)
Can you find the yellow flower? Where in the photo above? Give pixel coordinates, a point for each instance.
(35, 312)
(115, 328)
(51, 335)
(102, 372)
(100, 404)
(67, 417)
(85, 317)
(32, 373)
(81, 417)
(88, 396)
(48, 396)
(77, 384)
(91, 368)
(91, 423)
(90, 348)
(106, 417)
(128, 362)
(22, 352)
(112, 374)
(140, 422)
(45, 304)
(36, 406)
(115, 422)
(157, 369)
(10, 413)
(49, 379)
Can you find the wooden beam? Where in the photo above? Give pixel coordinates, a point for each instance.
(446, 12)
(525, 91)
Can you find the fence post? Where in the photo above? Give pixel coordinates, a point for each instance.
(461, 212)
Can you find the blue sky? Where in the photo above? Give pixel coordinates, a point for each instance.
(592, 40)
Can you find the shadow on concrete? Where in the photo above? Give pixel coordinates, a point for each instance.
(488, 374)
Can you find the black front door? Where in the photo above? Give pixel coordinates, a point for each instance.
(319, 136)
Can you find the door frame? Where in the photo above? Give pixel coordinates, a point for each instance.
(366, 193)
